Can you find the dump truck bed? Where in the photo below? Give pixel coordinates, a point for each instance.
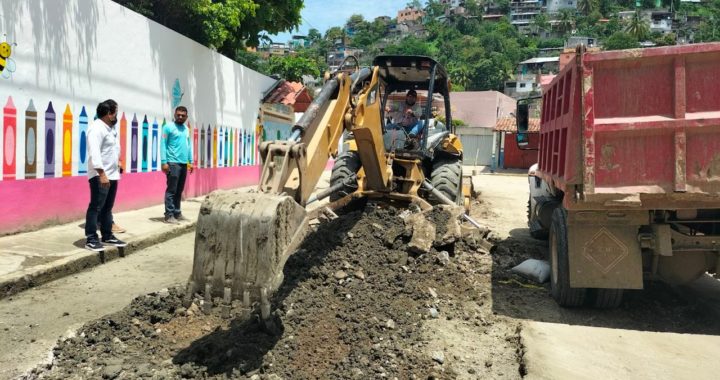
(635, 128)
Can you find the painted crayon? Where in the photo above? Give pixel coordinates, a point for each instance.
(67, 142)
(230, 137)
(30, 141)
(221, 146)
(50, 141)
(123, 140)
(215, 147)
(83, 127)
(242, 147)
(144, 146)
(201, 147)
(208, 147)
(154, 156)
(134, 145)
(9, 139)
(195, 146)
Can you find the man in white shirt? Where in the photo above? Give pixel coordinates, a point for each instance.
(103, 151)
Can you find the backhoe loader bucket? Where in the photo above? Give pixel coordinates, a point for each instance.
(242, 242)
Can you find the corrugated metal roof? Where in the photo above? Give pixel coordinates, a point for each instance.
(541, 60)
(508, 124)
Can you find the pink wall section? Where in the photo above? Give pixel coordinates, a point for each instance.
(27, 205)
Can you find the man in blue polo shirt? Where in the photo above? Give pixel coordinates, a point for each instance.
(176, 160)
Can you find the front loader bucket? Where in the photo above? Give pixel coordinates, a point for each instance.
(242, 242)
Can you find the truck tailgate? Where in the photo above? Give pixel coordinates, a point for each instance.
(652, 123)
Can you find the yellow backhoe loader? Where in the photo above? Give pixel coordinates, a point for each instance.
(244, 239)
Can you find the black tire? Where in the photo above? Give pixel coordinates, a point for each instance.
(446, 176)
(346, 165)
(561, 291)
(536, 230)
(607, 298)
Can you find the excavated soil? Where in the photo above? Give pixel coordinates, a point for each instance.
(354, 305)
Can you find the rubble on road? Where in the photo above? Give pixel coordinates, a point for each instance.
(352, 306)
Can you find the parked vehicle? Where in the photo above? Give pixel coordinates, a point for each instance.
(627, 186)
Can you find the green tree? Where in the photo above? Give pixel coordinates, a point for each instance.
(637, 27)
(541, 23)
(587, 7)
(411, 45)
(334, 33)
(459, 76)
(620, 40)
(566, 21)
(612, 26)
(293, 68)
(251, 60)
(224, 25)
(414, 4)
(314, 35)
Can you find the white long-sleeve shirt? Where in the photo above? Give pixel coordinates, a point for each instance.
(103, 150)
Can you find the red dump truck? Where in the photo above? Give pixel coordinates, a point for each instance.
(628, 180)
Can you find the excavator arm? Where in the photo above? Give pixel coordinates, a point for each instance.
(294, 166)
(244, 239)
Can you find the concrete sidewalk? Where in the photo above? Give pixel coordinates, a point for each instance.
(33, 258)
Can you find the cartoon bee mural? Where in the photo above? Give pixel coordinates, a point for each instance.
(7, 64)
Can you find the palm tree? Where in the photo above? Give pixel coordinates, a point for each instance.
(460, 74)
(540, 23)
(566, 21)
(637, 27)
(587, 6)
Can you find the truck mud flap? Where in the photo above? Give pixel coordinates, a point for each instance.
(604, 249)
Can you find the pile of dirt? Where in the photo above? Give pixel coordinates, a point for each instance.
(355, 304)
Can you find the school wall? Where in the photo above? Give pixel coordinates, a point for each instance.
(69, 55)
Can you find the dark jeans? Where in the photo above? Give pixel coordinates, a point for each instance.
(175, 185)
(102, 200)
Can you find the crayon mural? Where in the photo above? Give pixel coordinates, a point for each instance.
(55, 154)
(47, 108)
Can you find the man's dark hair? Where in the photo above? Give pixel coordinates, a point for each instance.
(105, 108)
(412, 92)
(181, 108)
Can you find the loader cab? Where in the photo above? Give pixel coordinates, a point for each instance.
(427, 79)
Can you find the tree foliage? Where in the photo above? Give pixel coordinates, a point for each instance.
(637, 27)
(478, 54)
(619, 41)
(224, 25)
(292, 68)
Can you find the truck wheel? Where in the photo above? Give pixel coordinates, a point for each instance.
(561, 291)
(536, 230)
(446, 176)
(607, 298)
(346, 165)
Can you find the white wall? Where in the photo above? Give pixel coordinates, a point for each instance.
(80, 52)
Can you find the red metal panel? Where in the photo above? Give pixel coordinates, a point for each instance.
(635, 122)
(703, 159)
(702, 78)
(626, 159)
(588, 135)
(680, 160)
(633, 88)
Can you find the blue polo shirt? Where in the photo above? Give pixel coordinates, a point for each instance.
(175, 146)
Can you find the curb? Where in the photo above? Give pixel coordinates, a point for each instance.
(83, 260)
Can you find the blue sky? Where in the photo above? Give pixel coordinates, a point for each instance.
(324, 14)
